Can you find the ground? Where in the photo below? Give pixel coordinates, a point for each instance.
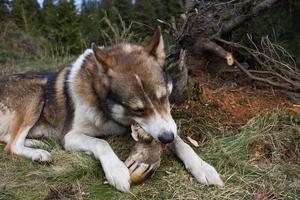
(251, 136)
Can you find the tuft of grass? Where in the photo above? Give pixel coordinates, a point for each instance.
(119, 32)
(249, 176)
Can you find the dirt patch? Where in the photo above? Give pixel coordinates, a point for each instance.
(242, 104)
(232, 105)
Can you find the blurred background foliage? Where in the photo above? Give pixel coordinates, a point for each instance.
(59, 27)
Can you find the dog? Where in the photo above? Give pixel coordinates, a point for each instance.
(102, 93)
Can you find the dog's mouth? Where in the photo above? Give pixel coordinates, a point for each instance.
(139, 134)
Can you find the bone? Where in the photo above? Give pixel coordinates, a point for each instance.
(145, 156)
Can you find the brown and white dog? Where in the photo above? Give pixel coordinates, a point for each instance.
(102, 93)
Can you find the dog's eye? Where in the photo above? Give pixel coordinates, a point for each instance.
(139, 110)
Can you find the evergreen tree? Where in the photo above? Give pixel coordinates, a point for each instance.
(50, 18)
(145, 13)
(63, 25)
(69, 28)
(90, 18)
(125, 9)
(26, 14)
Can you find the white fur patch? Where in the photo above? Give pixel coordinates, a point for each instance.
(117, 111)
(20, 140)
(84, 112)
(76, 66)
(169, 87)
(160, 92)
(127, 48)
(34, 143)
(92, 123)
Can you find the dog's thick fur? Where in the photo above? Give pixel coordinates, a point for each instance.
(102, 93)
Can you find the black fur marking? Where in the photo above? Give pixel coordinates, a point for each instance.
(111, 100)
(49, 91)
(111, 96)
(69, 105)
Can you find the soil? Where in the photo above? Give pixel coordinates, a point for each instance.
(226, 103)
(242, 104)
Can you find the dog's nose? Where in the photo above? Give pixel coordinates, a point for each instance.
(166, 137)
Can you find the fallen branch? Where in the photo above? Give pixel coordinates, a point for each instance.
(218, 50)
(236, 22)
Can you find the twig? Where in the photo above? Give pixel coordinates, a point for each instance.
(294, 88)
(267, 62)
(289, 85)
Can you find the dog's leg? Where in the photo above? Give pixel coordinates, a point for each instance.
(117, 174)
(201, 170)
(34, 143)
(18, 147)
(22, 123)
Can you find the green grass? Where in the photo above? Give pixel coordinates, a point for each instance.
(42, 65)
(272, 174)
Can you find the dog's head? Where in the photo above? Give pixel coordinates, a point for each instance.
(139, 88)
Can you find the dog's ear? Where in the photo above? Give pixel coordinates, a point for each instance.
(103, 57)
(156, 46)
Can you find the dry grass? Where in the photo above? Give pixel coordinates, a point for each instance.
(260, 160)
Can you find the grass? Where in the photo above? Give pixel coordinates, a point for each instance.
(260, 160)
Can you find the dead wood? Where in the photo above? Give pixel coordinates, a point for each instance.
(207, 27)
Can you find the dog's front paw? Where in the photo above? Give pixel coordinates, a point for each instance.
(41, 155)
(117, 175)
(203, 172)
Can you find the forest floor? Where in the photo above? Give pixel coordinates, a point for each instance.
(251, 136)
